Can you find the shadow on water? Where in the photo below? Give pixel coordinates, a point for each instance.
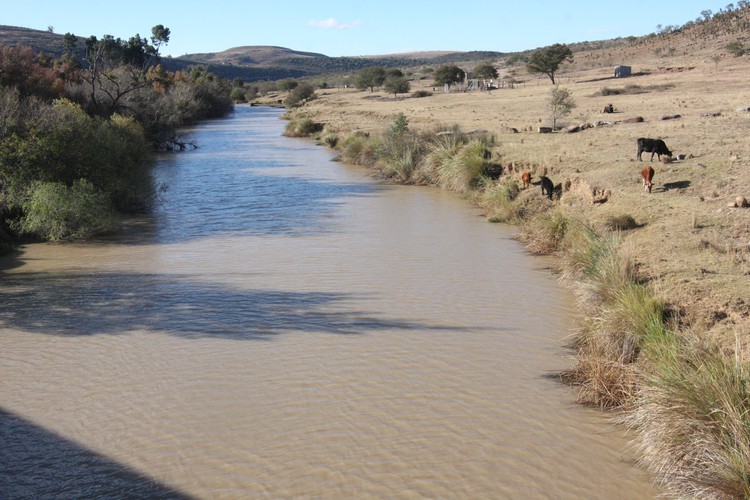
(36, 463)
(114, 303)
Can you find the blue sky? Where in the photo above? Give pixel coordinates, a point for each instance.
(358, 27)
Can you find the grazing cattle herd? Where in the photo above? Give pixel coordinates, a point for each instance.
(653, 146)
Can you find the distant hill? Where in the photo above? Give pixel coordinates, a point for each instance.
(257, 55)
(253, 63)
(40, 41)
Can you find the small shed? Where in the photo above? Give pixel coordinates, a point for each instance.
(621, 71)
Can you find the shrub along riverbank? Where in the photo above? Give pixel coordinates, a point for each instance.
(686, 400)
(76, 142)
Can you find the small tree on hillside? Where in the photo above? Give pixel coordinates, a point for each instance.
(370, 78)
(560, 103)
(448, 75)
(288, 84)
(548, 59)
(299, 94)
(485, 71)
(396, 85)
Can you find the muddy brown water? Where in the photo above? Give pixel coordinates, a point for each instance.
(287, 327)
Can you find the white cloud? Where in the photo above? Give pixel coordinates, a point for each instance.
(331, 23)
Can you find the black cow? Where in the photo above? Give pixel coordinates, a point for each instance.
(653, 146)
(547, 186)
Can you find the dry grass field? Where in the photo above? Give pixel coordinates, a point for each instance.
(689, 244)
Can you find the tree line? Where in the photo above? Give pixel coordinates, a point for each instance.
(546, 60)
(77, 135)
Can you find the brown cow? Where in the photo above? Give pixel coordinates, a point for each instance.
(648, 175)
(526, 179)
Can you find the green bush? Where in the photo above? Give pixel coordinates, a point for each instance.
(304, 127)
(463, 171)
(622, 222)
(238, 94)
(330, 139)
(55, 212)
(359, 149)
(299, 94)
(499, 201)
(59, 142)
(544, 234)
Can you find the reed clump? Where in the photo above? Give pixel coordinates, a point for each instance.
(500, 201)
(545, 233)
(444, 157)
(692, 420)
(302, 127)
(688, 401)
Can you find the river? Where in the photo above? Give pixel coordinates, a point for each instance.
(286, 326)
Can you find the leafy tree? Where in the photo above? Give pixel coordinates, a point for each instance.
(21, 68)
(394, 72)
(70, 42)
(211, 92)
(400, 125)
(238, 94)
(560, 103)
(485, 71)
(396, 85)
(370, 78)
(288, 84)
(117, 68)
(159, 36)
(299, 94)
(548, 59)
(448, 75)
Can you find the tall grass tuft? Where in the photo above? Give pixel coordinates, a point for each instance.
(623, 317)
(693, 423)
(545, 233)
(593, 265)
(330, 138)
(441, 145)
(399, 154)
(463, 171)
(302, 127)
(500, 202)
(359, 149)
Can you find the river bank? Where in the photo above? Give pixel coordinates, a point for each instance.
(286, 326)
(669, 289)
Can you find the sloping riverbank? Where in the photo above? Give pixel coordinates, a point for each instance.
(659, 277)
